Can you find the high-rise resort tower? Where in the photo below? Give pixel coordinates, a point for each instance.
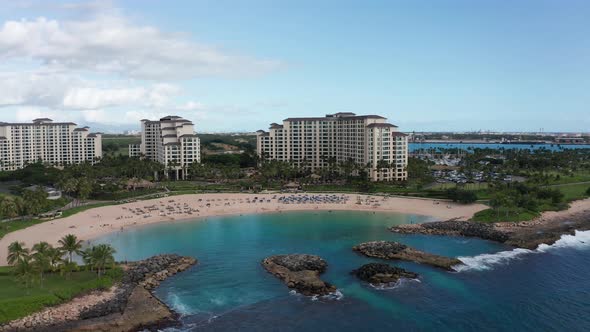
(171, 141)
(55, 143)
(314, 142)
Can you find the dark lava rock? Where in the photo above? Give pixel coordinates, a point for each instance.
(300, 262)
(300, 272)
(453, 227)
(395, 250)
(379, 273)
(147, 273)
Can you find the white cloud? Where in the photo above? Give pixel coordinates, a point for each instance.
(110, 43)
(191, 106)
(101, 67)
(26, 114)
(60, 91)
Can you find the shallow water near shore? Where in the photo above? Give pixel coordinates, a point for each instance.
(229, 290)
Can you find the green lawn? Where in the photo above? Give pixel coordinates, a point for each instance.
(573, 192)
(15, 225)
(79, 209)
(491, 215)
(17, 301)
(466, 186)
(11, 226)
(582, 176)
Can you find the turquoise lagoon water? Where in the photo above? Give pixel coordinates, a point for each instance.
(499, 288)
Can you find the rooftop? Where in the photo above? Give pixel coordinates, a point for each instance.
(334, 117)
(381, 125)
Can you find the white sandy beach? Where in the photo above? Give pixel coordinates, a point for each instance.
(103, 220)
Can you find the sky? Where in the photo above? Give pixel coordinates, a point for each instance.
(438, 65)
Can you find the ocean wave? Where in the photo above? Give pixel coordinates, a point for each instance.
(579, 240)
(334, 296)
(393, 285)
(177, 305)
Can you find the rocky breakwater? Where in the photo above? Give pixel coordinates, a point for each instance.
(454, 228)
(300, 272)
(127, 306)
(395, 250)
(379, 273)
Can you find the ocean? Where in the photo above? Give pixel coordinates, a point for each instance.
(498, 289)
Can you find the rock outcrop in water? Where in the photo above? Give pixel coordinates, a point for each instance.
(527, 234)
(127, 306)
(395, 250)
(455, 228)
(379, 273)
(300, 272)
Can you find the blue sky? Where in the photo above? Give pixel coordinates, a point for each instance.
(426, 65)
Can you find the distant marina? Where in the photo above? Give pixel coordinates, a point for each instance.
(430, 145)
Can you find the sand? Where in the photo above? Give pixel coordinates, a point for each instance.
(100, 221)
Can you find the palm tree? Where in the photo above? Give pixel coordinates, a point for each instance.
(42, 248)
(25, 271)
(87, 257)
(20, 206)
(104, 256)
(55, 258)
(41, 257)
(99, 257)
(71, 245)
(17, 252)
(8, 208)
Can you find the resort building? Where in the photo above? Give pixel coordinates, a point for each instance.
(171, 141)
(55, 143)
(315, 142)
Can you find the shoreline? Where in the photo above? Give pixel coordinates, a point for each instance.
(129, 305)
(546, 229)
(99, 221)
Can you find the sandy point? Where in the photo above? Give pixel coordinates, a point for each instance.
(116, 218)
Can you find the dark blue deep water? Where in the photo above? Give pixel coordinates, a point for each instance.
(498, 290)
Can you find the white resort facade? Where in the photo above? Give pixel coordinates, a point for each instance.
(314, 142)
(55, 143)
(170, 141)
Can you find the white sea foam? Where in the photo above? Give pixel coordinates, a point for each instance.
(394, 285)
(336, 295)
(580, 240)
(177, 305)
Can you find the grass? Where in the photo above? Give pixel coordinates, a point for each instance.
(17, 301)
(466, 186)
(15, 225)
(119, 195)
(193, 186)
(581, 176)
(72, 211)
(573, 192)
(513, 215)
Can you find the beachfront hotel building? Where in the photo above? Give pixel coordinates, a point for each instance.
(367, 140)
(55, 143)
(170, 141)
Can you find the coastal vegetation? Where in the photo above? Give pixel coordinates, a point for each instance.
(44, 275)
(516, 184)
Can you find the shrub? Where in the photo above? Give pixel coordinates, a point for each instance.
(461, 196)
